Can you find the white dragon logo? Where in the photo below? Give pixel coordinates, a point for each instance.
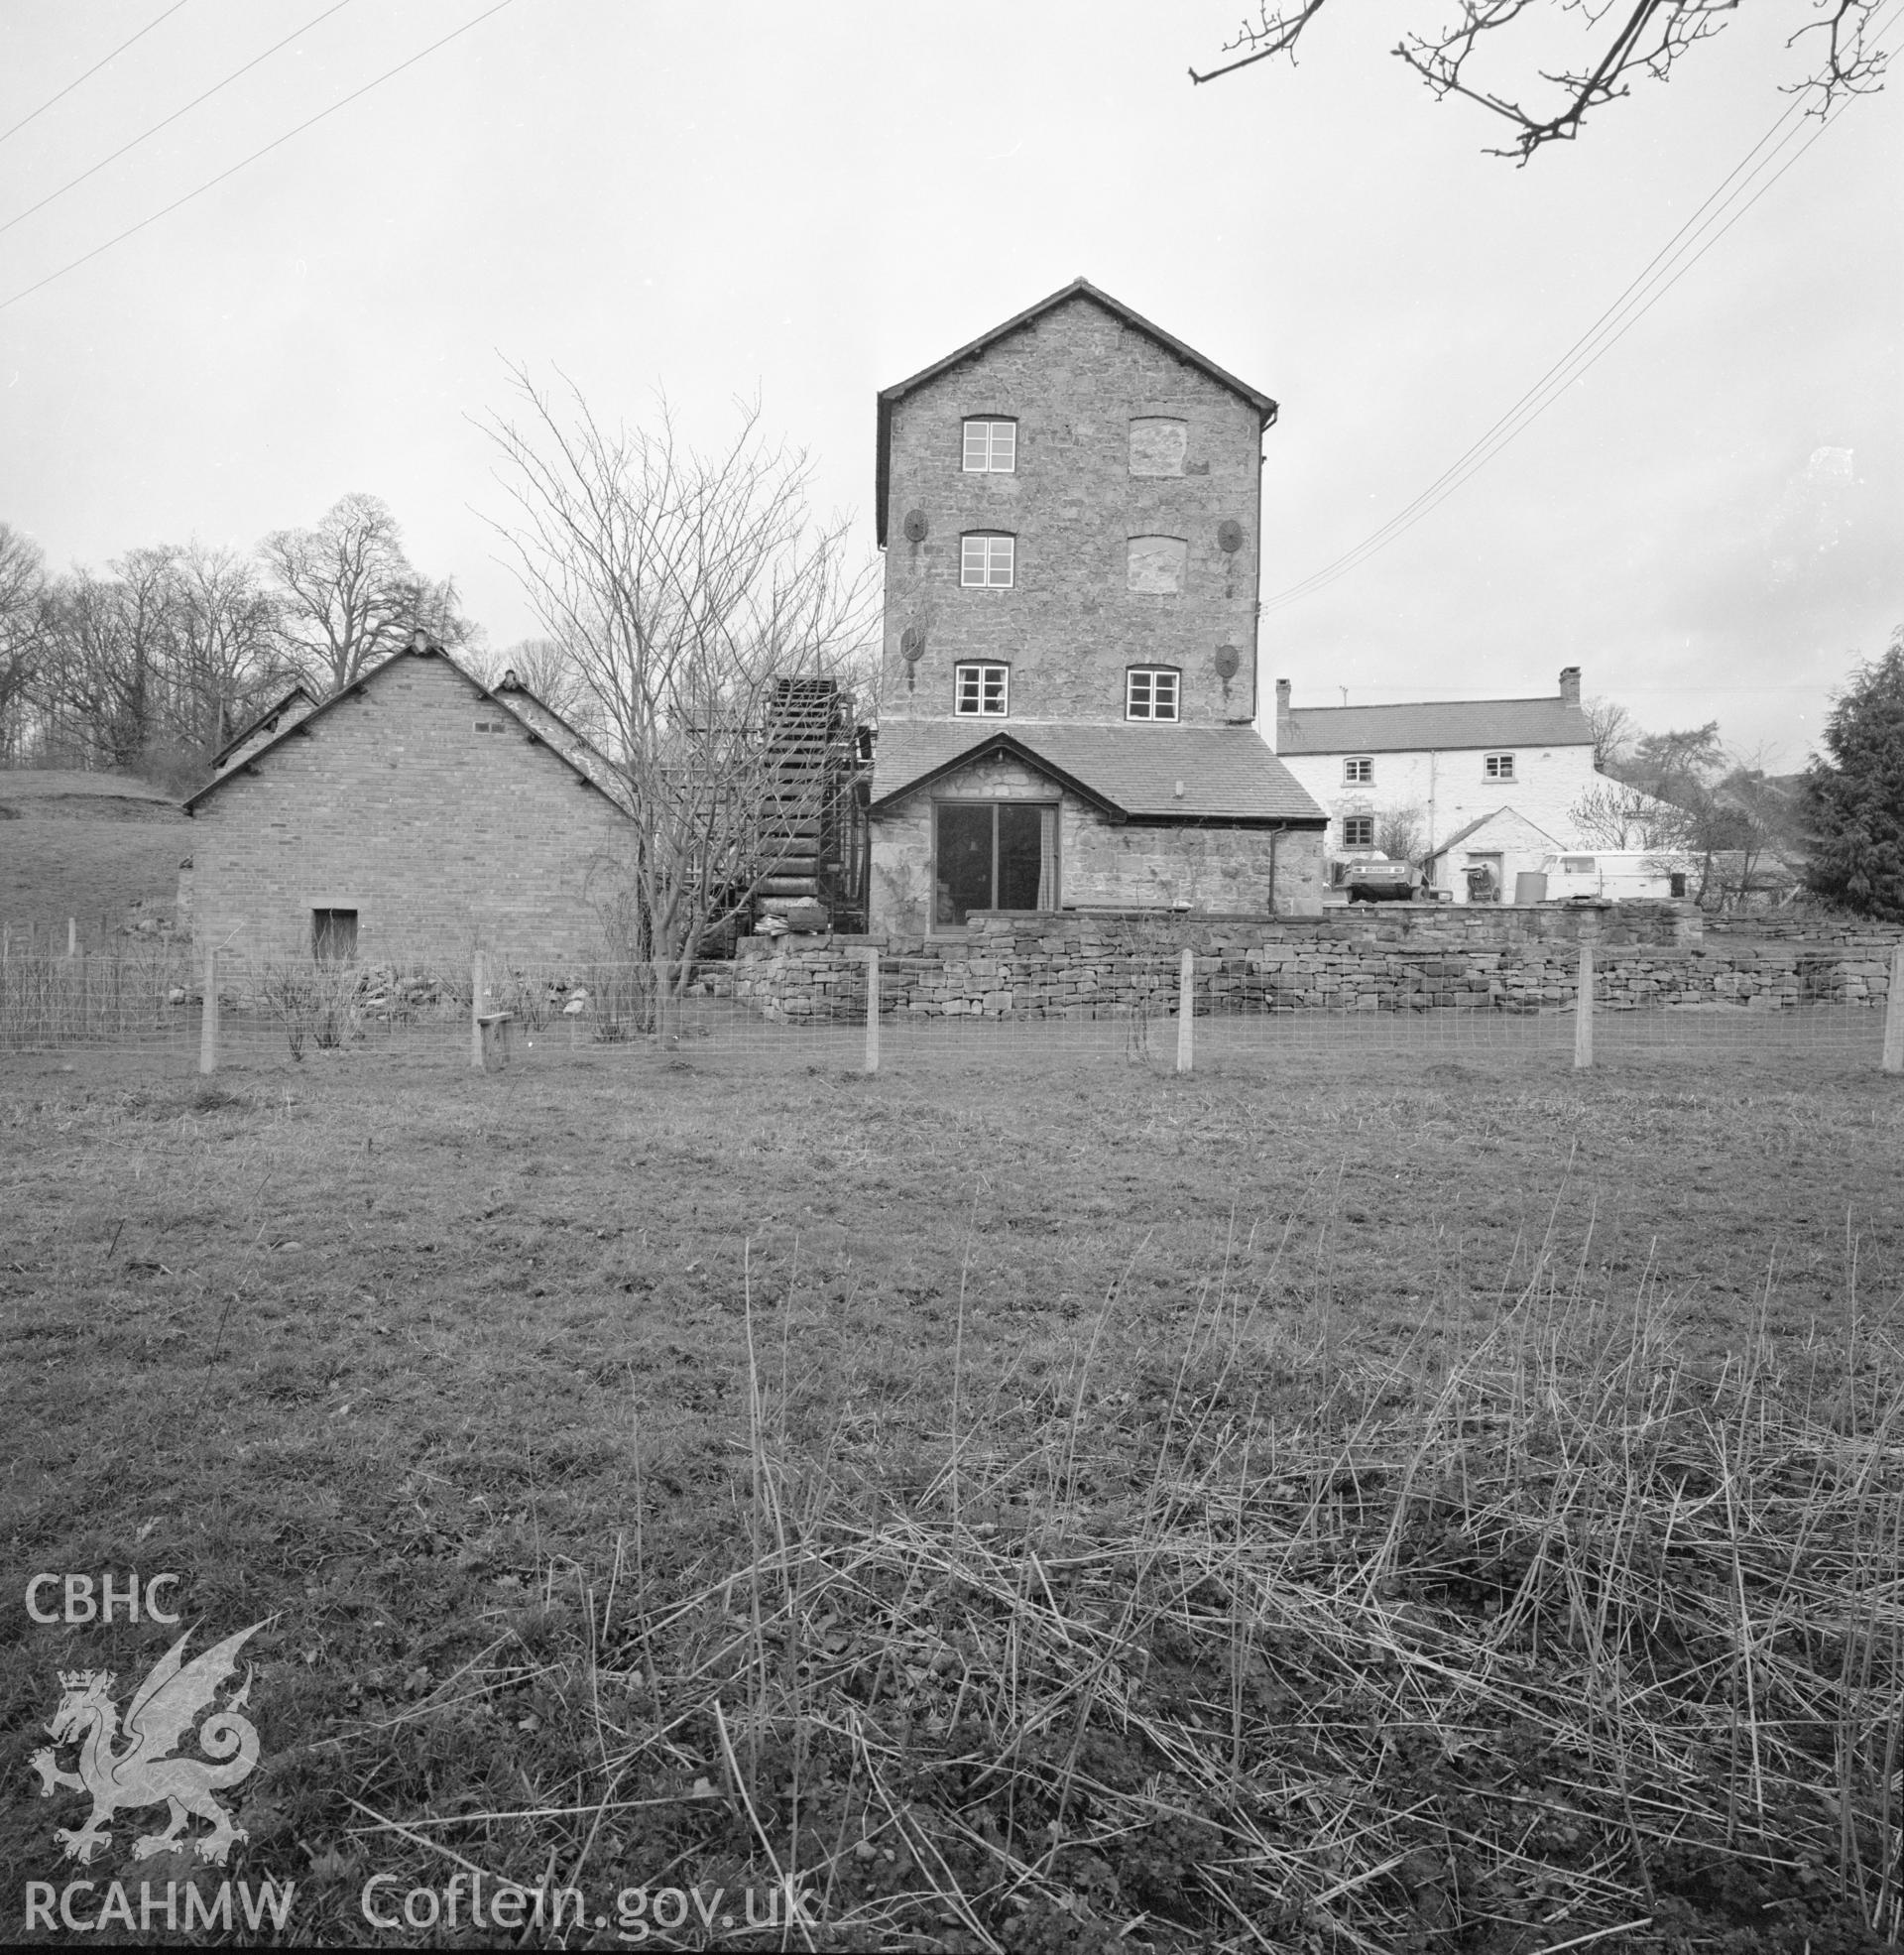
(140, 1774)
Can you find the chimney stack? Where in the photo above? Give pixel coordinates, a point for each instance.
(1570, 685)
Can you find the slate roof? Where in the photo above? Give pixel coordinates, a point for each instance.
(507, 698)
(270, 713)
(1481, 821)
(1432, 724)
(1228, 774)
(1077, 289)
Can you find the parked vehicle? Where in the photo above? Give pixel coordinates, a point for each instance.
(1372, 880)
(1611, 875)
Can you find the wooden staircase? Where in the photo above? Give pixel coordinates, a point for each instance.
(814, 828)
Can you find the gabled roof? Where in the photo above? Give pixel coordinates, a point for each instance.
(1131, 773)
(270, 713)
(507, 698)
(1077, 289)
(1481, 821)
(1432, 724)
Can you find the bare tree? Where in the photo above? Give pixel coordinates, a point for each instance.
(23, 596)
(229, 650)
(104, 674)
(1629, 40)
(686, 589)
(1614, 814)
(351, 596)
(1400, 834)
(1614, 732)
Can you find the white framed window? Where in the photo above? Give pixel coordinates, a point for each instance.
(986, 561)
(1357, 831)
(981, 692)
(991, 447)
(1150, 692)
(1498, 767)
(1358, 770)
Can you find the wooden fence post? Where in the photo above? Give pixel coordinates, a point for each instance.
(1186, 1010)
(1583, 1011)
(1893, 1060)
(476, 988)
(872, 1011)
(72, 935)
(208, 1018)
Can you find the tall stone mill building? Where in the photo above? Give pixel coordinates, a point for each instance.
(1069, 508)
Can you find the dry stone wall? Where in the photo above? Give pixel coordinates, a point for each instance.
(1072, 966)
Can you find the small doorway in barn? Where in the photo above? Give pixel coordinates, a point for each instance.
(333, 935)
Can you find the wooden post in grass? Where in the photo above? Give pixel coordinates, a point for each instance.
(1893, 1060)
(72, 935)
(476, 1012)
(872, 1011)
(208, 1018)
(1583, 1011)
(1186, 1010)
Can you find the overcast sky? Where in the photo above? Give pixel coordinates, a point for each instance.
(812, 203)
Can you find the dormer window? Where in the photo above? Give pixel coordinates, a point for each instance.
(986, 561)
(991, 447)
(981, 692)
(1150, 692)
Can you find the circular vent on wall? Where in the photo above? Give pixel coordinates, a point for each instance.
(1226, 660)
(1229, 533)
(914, 525)
(913, 645)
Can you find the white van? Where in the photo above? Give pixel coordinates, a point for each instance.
(1612, 875)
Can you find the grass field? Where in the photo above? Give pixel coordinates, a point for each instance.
(87, 846)
(1046, 1507)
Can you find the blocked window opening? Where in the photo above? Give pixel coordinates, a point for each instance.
(987, 561)
(1358, 770)
(333, 935)
(1150, 692)
(1158, 566)
(1158, 445)
(981, 692)
(991, 447)
(993, 855)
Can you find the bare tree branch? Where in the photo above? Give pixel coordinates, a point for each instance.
(685, 591)
(1634, 38)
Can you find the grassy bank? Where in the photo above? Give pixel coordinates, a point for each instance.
(1064, 1510)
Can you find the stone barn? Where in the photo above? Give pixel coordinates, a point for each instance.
(1069, 508)
(416, 812)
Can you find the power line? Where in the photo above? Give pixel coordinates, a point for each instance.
(91, 72)
(1570, 366)
(76, 182)
(179, 204)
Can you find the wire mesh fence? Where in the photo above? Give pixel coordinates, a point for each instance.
(1163, 1009)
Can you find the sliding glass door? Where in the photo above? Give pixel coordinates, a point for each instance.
(993, 855)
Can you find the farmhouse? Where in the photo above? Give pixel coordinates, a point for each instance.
(417, 810)
(1069, 510)
(1481, 785)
